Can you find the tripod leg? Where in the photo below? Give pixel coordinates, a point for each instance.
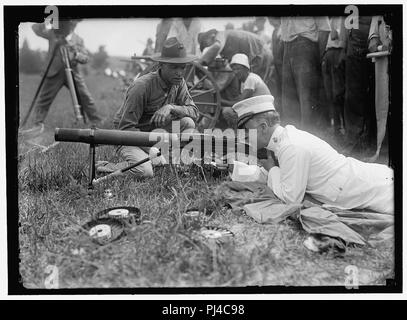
(92, 152)
(39, 87)
(71, 85)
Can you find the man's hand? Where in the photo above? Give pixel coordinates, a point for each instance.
(162, 116)
(80, 57)
(267, 163)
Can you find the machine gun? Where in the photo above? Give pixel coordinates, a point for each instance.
(203, 143)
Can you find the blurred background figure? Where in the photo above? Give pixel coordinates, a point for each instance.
(149, 50)
(100, 59)
(161, 33)
(333, 73)
(186, 30)
(304, 41)
(248, 26)
(229, 26)
(260, 29)
(229, 42)
(277, 48)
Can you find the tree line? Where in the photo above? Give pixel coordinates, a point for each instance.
(33, 61)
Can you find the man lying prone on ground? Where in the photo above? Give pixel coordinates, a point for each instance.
(157, 99)
(307, 164)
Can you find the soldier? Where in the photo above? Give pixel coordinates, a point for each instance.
(155, 100)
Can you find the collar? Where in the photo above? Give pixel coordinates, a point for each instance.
(275, 138)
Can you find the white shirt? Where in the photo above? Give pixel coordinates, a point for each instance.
(338, 24)
(255, 83)
(308, 164)
(292, 27)
(187, 36)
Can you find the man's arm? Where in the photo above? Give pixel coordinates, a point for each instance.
(289, 181)
(210, 54)
(133, 107)
(185, 106)
(80, 53)
(247, 93)
(41, 31)
(324, 30)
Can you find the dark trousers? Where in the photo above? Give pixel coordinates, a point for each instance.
(359, 104)
(333, 74)
(50, 89)
(301, 78)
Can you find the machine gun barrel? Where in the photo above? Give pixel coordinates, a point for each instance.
(112, 137)
(148, 139)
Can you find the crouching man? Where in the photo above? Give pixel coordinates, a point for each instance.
(307, 164)
(153, 101)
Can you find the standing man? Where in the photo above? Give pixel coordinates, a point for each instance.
(304, 41)
(155, 100)
(307, 164)
(149, 50)
(277, 48)
(186, 30)
(360, 122)
(251, 85)
(56, 78)
(259, 23)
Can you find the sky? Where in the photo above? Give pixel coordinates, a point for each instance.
(122, 37)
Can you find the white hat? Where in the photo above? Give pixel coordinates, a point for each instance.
(240, 58)
(247, 108)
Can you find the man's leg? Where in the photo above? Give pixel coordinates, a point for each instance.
(186, 123)
(278, 76)
(85, 98)
(328, 84)
(355, 97)
(131, 156)
(338, 81)
(50, 89)
(306, 74)
(290, 112)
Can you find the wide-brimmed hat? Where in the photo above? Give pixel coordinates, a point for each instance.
(173, 52)
(247, 108)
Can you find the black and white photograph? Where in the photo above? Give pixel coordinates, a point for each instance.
(204, 149)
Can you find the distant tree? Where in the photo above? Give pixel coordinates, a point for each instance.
(31, 62)
(99, 59)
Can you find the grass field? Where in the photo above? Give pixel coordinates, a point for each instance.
(163, 251)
